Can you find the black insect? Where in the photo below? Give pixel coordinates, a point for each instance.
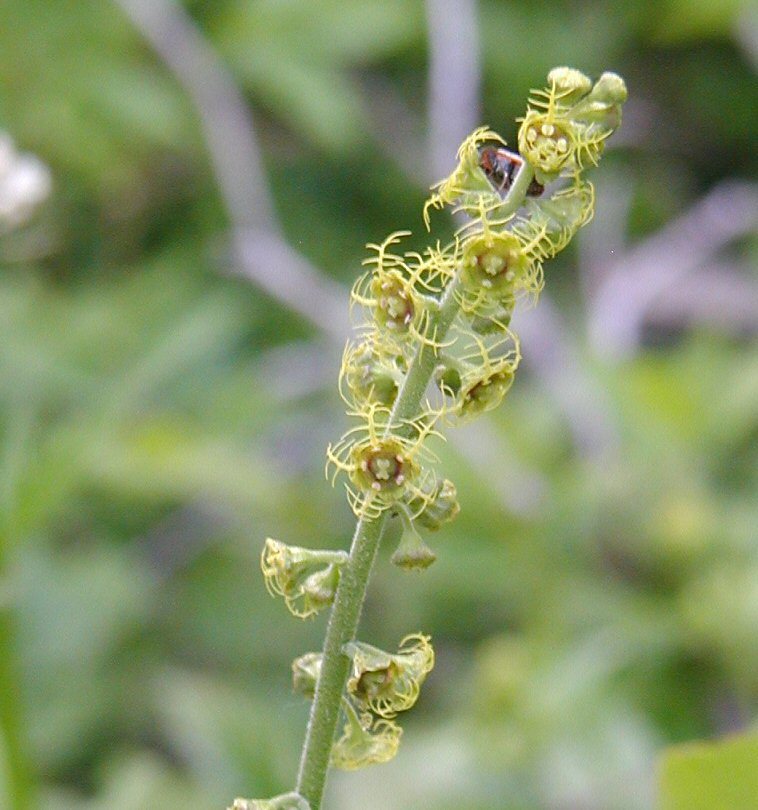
(501, 167)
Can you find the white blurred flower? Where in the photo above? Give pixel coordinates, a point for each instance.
(25, 182)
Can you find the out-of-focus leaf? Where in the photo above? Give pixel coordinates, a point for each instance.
(347, 32)
(679, 21)
(212, 726)
(138, 782)
(81, 93)
(295, 59)
(317, 101)
(710, 776)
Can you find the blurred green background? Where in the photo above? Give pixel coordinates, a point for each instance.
(173, 275)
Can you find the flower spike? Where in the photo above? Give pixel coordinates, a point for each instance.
(441, 315)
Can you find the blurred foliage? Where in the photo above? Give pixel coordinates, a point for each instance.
(160, 417)
(715, 776)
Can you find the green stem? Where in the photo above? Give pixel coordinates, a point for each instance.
(12, 758)
(16, 784)
(351, 592)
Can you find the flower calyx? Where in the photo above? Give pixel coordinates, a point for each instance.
(306, 578)
(386, 684)
(364, 741)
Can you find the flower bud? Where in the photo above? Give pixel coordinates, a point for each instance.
(610, 87)
(570, 84)
(412, 554)
(287, 801)
(306, 578)
(364, 742)
(305, 672)
(601, 109)
(387, 684)
(320, 587)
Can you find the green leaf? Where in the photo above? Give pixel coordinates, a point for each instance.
(710, 776)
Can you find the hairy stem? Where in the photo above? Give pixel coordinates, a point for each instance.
(351, 592)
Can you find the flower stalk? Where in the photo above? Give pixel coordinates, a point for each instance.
(435, 349)
(351, 592)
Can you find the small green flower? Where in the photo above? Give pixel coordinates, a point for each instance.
(369, 374)
(566, 125)
(570, 85)
(382, 466)
(387, 684)
(497, 264)
(487, 389)
(478, 380)
(364, 741)
(399, 294)
(468, 185)
(547, 144)
(306, 578)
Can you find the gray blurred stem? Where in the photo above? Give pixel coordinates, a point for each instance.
(454, 77)
(261, 252)
(634, 284)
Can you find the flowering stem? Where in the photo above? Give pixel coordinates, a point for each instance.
(348, 602)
